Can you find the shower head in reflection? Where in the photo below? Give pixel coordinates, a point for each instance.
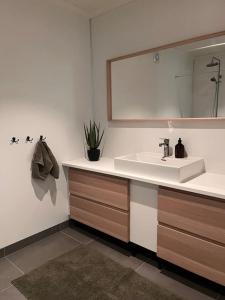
(217, 80)
(213, 79)
(214, 62)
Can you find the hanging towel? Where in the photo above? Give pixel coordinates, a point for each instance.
(55, 167)
(44, 162)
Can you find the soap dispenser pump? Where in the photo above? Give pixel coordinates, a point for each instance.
(179, 149)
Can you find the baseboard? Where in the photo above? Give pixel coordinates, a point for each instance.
(31, 239)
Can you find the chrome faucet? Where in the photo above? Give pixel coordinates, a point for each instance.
(166, 149)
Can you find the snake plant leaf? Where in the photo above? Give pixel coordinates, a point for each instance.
(101, 138)
(97, 129)
(86, 133)
(94, 137)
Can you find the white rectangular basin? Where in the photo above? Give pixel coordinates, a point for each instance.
(151, 164)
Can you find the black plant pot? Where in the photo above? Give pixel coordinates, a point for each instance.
(93, 154)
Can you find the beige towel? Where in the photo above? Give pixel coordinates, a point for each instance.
(44, 162)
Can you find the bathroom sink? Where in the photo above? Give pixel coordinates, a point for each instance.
(151, 164)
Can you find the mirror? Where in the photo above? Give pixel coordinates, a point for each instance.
(180, 80)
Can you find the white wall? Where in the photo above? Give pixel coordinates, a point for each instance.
(144, 24)
(45, 88)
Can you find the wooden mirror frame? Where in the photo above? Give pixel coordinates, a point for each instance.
(156, 49)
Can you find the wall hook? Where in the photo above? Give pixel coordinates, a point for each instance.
(14, 140)
(28, 139)
(42, 138)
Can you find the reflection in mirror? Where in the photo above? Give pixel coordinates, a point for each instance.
(186, 81)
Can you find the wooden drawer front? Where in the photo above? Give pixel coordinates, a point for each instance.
(105, 189)
(199, 256)
(193, 213)
(106, 219)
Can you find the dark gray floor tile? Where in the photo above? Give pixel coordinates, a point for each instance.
(2, 253)
(221, 296)
(40, 252)
(7, 273)
(11, 294)
(34, 238)
(121, 257)
(176, 285)
(85, 230)
(114, 244)
(206, 289)
(79, 235)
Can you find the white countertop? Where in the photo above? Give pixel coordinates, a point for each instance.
(210, 184)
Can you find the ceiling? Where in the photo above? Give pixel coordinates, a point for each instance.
(94, 8)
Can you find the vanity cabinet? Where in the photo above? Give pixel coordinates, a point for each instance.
(184, 228)
(143, 214)
(100, 201)
(191, 232)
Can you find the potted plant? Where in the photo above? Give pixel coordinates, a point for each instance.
(93, 139)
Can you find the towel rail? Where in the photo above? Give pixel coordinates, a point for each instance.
(15, 140)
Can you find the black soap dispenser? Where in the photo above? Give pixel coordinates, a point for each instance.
(179, 149)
